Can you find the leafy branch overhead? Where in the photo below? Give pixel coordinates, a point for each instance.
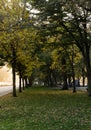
(49, 38)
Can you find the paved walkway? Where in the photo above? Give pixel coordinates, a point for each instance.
(7, 89)
(82, 88)
(77, 88)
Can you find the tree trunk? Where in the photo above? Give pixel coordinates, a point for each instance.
(73, 71)
(20, 90)
(23, 83)
(88, 67)
(89, 82)
(73, 76)
(26, 82)
(30, 82)
(69, 82)
(50, 78)
(31, 78)
(54, 78)
(83, 81)
(64, 74)
(13, 69)
(14, 80)
(65, 85)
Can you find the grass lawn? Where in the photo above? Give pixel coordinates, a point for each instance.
(45, 109)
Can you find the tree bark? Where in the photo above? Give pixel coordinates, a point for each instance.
(23, 83)
(88, 68)
(64, 74)
(89, 82)
(20, 89)
(83, 81)
(26, 82)
(14, 70)
(73, 76)
(65, 85)
(14, 80)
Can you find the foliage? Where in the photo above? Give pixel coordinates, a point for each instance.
(46, 38)
(69, 18)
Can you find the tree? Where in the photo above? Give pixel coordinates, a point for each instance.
(79, 20)
(14, 16)
(74, 17)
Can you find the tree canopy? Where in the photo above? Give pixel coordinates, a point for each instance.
(47, 40)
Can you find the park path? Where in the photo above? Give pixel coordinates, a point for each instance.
(77, 88)
(8, 89)
(5, 90)
(82, 88)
